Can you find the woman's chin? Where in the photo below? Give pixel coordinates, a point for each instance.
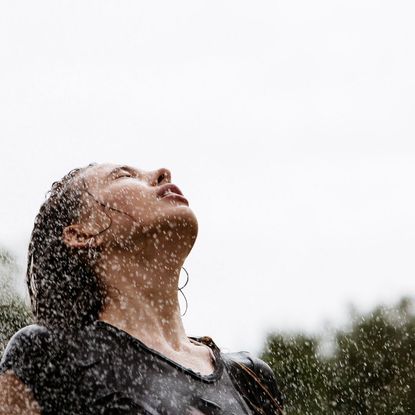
(182, 221)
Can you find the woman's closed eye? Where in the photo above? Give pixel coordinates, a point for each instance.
(124, 175)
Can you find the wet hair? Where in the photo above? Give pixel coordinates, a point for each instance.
(63, 287)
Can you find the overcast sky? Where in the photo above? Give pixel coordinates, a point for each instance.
(288, 125)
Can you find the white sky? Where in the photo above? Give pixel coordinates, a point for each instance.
(287, 124)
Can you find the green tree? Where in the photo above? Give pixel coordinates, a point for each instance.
(301, 374)
(369, 371)
(14, 314)
(374, 363)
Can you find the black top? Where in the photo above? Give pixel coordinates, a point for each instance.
(101, 369)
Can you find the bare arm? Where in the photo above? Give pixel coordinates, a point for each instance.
(15, 397)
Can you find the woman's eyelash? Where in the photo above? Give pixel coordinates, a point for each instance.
(124, 175)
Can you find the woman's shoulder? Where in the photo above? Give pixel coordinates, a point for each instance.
(27, 355)
(252, 362)
(236, 360)
(30, 332)
(255, 379)
(28, 341)
(41, 358)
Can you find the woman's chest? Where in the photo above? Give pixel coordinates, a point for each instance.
(133, 383)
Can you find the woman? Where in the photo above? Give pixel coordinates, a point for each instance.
(103, 268)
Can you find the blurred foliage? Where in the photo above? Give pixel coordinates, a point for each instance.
(14, 314)
(370, 369)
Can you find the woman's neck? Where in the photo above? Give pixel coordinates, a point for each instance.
(142, 298)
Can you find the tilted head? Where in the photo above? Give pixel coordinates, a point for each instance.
(92, 211)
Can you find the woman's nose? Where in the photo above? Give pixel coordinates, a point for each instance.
(161, 176)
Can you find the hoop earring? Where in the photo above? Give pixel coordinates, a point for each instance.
(180, 289)
(91, 252)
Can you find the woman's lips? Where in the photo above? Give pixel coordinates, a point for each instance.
(172, 191)
(176, 196)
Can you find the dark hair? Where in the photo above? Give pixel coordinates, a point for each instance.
(63, 287)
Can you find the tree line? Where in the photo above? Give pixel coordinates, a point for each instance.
(369, 369)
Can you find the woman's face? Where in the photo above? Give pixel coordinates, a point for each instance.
(140, 203)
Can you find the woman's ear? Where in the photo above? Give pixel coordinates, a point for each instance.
(74, 236)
